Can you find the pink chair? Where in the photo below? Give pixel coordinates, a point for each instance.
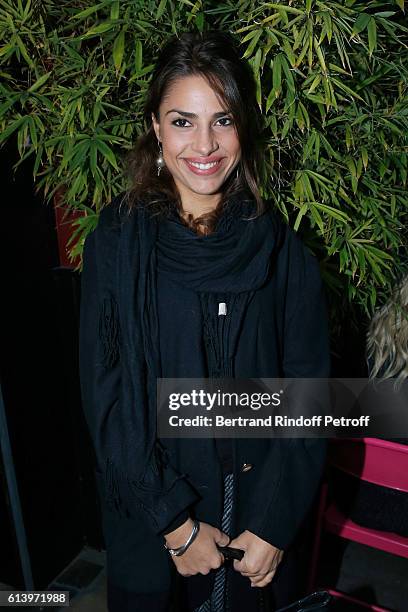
(374, 460)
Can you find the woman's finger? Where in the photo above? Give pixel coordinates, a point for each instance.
(261, 582)
(239, 566)
(248, 574)
(258, 578)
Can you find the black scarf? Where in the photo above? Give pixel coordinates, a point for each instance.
(227, 266)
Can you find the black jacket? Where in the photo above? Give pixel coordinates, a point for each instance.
(284, 334)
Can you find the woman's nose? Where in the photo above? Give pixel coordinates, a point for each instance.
(205, 141)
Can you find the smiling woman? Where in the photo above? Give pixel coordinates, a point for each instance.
(197, 278)
(204, 127)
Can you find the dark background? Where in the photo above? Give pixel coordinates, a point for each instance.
(39, 378)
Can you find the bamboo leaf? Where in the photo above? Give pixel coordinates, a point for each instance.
(7, 49)
(255, 38)
(89, 11)
(333, 212)
(329, 25)
(372, 35)
(93, 158)
(351, 166)
(161, 8)
(307, 149)
(282, 7)
(138, 55)
(38, 160)
(378, 254)
(320, 55)
(300, 215)
(361, 23)
(10, 101)
(199, 21)
(364, 157)
(255, 62)
(315, 83)
(290, 82)
(118, 50)
(99, 29)
(277, 75)
(24, 51)
(270, 99)
(33, 132)
(115, 8)
(347, 89)
(107, 153)
(290, 54)
(316, 217)
(40, 82)
(12, 127)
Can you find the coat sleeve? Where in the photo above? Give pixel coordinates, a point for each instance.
(291, 475)
(166, 500)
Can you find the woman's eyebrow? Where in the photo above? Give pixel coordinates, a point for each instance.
(193, 115)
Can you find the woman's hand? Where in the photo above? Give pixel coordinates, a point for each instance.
(260, 559)
(202, 555)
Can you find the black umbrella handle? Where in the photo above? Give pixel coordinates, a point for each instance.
(231, 553)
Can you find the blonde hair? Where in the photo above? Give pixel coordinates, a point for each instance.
(387, 337)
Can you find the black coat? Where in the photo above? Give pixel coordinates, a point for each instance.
(284, 334)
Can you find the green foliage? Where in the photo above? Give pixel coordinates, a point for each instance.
(331, 80)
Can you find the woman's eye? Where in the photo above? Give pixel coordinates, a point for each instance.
(226, 119)
(177, 124)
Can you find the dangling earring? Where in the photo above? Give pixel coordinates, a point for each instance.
(160, 163)
(237, 173)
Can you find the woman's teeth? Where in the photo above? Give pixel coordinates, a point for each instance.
(203, 166)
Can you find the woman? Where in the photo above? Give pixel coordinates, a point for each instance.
(189, 274)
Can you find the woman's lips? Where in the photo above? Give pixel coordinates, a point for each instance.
(203, 172)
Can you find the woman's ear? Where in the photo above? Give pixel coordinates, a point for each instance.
(156, 126)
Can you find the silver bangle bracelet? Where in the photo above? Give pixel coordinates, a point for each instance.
(176, 552)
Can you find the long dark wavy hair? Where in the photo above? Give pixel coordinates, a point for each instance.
(215, 56)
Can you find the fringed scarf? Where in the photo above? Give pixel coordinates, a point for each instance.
(119, 391)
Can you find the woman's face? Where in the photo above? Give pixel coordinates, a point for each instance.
(199, 140)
